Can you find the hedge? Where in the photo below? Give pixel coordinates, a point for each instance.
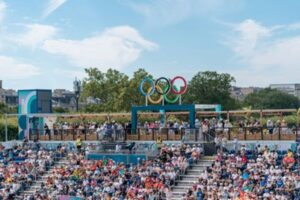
(12, 132)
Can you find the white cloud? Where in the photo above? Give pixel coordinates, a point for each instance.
(250, 33)
(12, 69)
(35, 35)
(2, 10)
(52, 6)
(116, 47)
(267, 56)
(164, 12)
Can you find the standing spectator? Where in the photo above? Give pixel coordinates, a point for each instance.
(270, 126)
(224, 143)
(205, 129)
(47, 130)
(198, 131)
(284, 127)
(227, 126)
(218, 141)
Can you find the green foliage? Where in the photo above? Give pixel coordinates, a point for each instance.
(12, 128)
(109, 87)
(60, 110)
(271, 99)
(2, 108)
(209, 87)
(134, 97)
(117, 93)
(291, 120)
(12, 132)
(6, 109)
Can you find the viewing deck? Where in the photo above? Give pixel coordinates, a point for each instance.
(170, 134)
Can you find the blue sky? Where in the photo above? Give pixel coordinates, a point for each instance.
(47, 43)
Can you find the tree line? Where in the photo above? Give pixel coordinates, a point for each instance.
(118, 92)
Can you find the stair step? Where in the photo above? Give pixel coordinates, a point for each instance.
(202, 164)
(31, 190)
(191, 177)
(177, 198)
(179, 193)
(36, 186)
(195, 170)
(182, 187)
(188, 180)
(196, 174)
(199, 167)
(39, 181)
(190, 184)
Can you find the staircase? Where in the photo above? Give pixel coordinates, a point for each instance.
(187, 180)
(111, 146)
(43, 179)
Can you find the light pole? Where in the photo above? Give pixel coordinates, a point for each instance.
(77, 91)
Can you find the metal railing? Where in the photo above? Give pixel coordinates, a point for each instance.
(169, 134)
(140, 134)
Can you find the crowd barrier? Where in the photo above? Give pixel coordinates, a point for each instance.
(169, 134)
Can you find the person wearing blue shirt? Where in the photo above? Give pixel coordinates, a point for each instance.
(279, 183)
(263, 182)
(199, 194)
(245, 175)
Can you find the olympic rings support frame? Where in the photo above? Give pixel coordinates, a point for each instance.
(169, 88)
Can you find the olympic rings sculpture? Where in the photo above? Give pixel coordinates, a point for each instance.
(169, 88)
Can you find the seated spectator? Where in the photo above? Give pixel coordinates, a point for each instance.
(241, 177)
(106, 179)
(289, 160)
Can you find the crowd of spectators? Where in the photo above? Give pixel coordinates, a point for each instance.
(105, 131)
(21, 165)
(249, 126)
(250, 175)
(241, 174)
(106, 179)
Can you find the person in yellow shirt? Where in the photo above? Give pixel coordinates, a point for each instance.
(290, 153)
(78, 143)
(159, 142)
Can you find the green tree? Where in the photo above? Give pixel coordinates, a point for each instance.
(3, 108)
(109, 87)
(271, 99)
(7, 109)
(134, 95)
(210, 87)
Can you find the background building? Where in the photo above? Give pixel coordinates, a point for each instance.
(64, 99)
(292, 89)
(8, 96)
(239, 93)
